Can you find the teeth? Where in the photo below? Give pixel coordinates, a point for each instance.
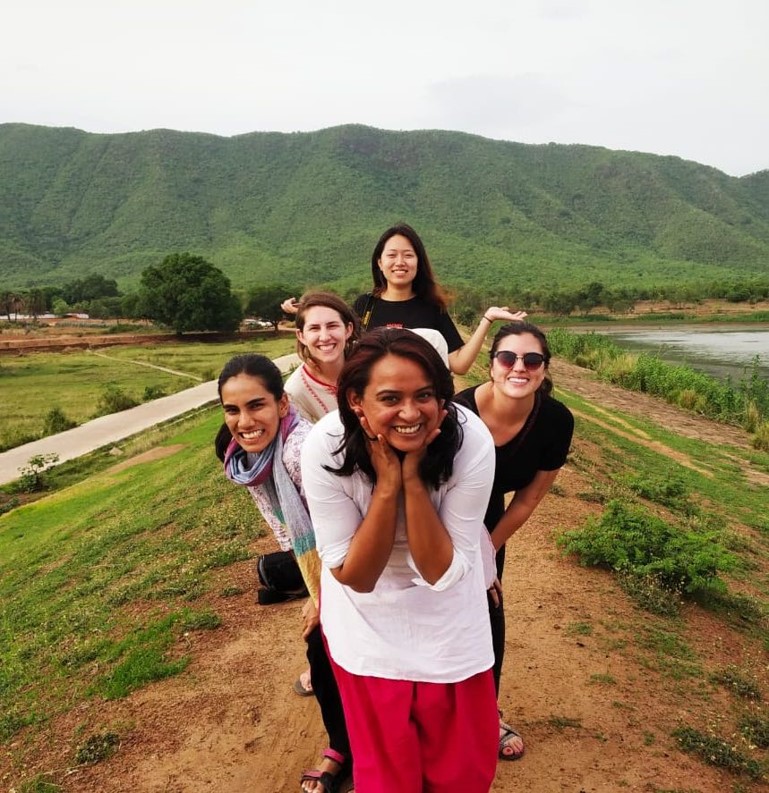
(408, 430)
(249, 436)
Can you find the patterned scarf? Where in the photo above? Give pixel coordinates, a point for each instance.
(267, 473)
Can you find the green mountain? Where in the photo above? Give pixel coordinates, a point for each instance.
(307, 208)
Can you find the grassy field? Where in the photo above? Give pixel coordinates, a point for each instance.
(99, 580)
(74, 382)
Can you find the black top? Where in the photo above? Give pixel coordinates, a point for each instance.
(541, 445)
(412, 313)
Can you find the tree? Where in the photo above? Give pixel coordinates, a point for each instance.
(188, 293)
(264, 301)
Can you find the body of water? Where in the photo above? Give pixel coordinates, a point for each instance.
(718, 352)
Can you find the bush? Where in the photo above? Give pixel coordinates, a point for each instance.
(153, 392)
(113, 400)
(633, 540)
(56, 421)
(760, 440)
(32, 479)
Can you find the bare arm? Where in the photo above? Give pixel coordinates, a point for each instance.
(524, 502)
(430, 544)
(462, 359)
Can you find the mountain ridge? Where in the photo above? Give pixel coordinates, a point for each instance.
(307, 207)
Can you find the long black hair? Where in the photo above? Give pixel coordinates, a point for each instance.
(424, 284)
(437, 465)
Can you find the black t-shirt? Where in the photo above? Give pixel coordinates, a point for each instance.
(412, 313)
(541, 445)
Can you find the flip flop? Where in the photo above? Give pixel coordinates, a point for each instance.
(508, 733)
(301, 689)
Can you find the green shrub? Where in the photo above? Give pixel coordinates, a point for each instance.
(97, 748)
(761, 438)
(33, 478)
(756, 730)
(113, 399)
(633, 540)
(153, 392)
(57, 421)
(716, 752)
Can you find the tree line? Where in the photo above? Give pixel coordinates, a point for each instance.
(188, 293)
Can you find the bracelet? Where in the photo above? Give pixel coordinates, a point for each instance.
(491, 321)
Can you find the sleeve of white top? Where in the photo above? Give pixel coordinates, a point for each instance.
(464, 503)
(335, 516)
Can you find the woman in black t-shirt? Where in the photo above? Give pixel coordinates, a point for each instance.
(532, 434)
(405, 294)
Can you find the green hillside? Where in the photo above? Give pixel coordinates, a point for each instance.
(306, 208)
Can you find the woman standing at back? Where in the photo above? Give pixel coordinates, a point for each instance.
(405, 294)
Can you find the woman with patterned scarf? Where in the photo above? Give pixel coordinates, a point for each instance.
(263, 455)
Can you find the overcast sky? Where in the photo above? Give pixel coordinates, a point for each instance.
(682, 77)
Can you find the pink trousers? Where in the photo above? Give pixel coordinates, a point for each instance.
(421, 737)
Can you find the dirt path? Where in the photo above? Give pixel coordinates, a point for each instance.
(581, 681)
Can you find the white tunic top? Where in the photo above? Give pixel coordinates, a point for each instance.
(406, 629)
(310, 396)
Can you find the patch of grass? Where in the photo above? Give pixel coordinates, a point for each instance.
(564, 722)
(40, 783)
(200, 621)
(97, 748)
(232, 591)
(649, 593)
(142, 658)
(78, 378)
(666, 489)
(670, 655)
(604, 679)
(716, 752)
(579, 629)
(735, 681)
(755, 728)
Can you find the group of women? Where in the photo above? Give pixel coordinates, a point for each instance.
(384, 503)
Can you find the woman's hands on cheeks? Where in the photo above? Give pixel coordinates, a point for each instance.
(410, 464)
(383, 457)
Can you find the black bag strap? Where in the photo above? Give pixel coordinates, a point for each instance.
(368, 311)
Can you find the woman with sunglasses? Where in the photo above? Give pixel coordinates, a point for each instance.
(532, 433)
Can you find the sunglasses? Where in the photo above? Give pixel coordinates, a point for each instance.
(531, 360)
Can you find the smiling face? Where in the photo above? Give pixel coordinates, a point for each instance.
(517, 381)
(398, 261)
(324, 334)
(399, 403)
(251, 412)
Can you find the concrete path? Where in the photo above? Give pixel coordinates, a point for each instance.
(118, 426)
